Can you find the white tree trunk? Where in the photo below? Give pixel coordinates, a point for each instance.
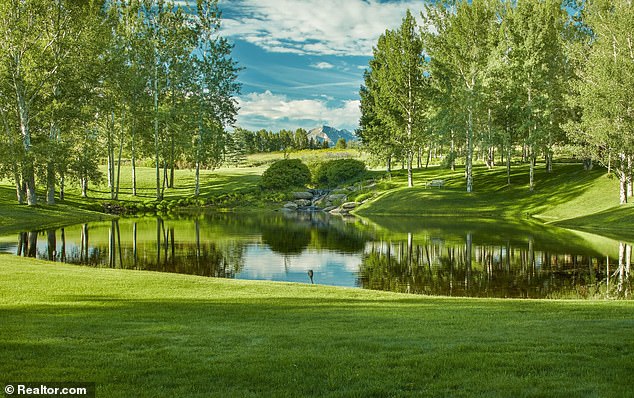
(469, 161)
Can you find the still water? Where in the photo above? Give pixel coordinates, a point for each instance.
(435, 256)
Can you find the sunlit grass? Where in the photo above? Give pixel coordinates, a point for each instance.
(566, 192)
(223, 180)
(150, 334)
(15, 218)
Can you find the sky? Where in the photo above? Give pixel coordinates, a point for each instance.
(304, 59)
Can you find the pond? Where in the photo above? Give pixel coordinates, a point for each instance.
(434, 256)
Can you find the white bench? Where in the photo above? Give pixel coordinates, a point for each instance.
(436, 183)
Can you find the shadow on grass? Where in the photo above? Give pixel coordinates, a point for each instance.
(320, 346)
(492, 197)
(616, 223)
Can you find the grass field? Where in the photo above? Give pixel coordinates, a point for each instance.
(569, 197)
(147, 334)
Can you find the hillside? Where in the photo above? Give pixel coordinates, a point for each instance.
(569, 196)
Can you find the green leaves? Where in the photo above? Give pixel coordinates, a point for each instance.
(394, 98)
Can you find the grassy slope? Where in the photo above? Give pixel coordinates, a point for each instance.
(75, 209)
(15, 218)
(570, 196)
(561, 197)
(150, 334)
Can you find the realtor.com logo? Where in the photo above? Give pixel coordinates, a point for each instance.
(61, 390)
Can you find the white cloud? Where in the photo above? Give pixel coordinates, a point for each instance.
(323, 65)
(332, 27)
(273, 111)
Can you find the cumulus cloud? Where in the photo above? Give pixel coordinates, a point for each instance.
(256, 108)
(323, 65)
(322, 27)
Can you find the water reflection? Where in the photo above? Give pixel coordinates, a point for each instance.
(470, 258)
(437, 267)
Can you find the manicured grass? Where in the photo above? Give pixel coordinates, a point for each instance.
(568, 193)
(74, 209)
(16, 218)
(150, 334)
(613, 222)
(212, 182)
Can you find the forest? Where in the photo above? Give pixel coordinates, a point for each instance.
(494, 80)
(152, 82)
(82, 82)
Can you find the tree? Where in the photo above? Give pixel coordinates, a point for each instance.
(459, 43)
(606, 85)
(401, 80)
(215, 85)
(537, 67)
(341, 143)
(372, 131)
(41, 57)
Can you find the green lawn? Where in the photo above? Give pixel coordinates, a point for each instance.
(147, 334)
(569, 196)
(16, 218)
(75, 209)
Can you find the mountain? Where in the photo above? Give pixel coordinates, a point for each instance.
(330, 134)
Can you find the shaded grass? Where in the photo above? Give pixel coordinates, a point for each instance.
(15, 218)
(566, 191)
(212, 182)
(148, 334)
(615, 222)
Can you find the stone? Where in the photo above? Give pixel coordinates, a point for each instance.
(303, 202)
(349, 205)
(291, 206)
(303, 195)
(337, 197)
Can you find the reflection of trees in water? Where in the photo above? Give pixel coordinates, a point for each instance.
(27, 244)
(168, 255)
(432, 266)
(293, 232)
(465, 269)
(286, 239)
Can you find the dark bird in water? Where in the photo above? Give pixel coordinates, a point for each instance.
(310, 275)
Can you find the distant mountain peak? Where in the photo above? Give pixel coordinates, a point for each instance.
(330, 134)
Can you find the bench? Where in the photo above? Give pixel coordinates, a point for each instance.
(435, 183)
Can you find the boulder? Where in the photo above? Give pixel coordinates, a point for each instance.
(349, 205)
(303, 202)
(337, 197)
(303, 195)
(291, 206)
(321, 202)
(329, 208)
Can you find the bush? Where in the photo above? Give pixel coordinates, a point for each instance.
(363, 196)
(334, 172)
(286, 173)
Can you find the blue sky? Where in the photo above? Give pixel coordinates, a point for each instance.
(304, 59)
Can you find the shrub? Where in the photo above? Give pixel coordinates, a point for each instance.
(286, 173)
(363, 196)
(334, 172)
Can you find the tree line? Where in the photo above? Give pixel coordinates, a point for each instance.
(85, 80)
(249, 142)
(496, 77)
